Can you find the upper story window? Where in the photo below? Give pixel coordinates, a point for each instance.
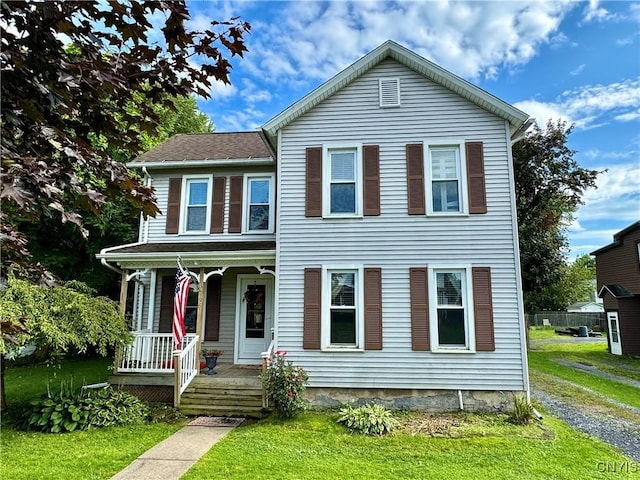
(259, 204)
(446, 179)
(343, 182)
(196, 204)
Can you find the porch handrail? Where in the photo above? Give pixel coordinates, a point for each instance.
(149, 353)
(186, 368)
(265, 359)
(267, 354)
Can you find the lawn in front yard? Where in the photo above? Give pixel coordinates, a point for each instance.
(457, 446)
(94, 454)
(485, 446)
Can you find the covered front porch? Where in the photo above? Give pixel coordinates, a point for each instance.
(230, 307)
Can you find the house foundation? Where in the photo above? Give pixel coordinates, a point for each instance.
(414, 399)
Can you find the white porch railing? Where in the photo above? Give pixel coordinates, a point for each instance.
(265, 362)
(151, 353)
(186, 363)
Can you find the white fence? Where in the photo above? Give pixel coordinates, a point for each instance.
(151, 353)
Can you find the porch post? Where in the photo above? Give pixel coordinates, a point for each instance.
(199, 314)
(124, 285)
(122, 308)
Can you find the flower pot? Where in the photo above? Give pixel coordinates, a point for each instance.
(211, 364)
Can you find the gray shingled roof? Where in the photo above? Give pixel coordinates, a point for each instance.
(196, 247)
(206, 146)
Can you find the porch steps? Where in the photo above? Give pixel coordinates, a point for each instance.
(220, 396)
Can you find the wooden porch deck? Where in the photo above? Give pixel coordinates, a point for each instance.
(235, 390)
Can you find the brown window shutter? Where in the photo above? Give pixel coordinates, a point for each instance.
(167, 295)
(217, 208)
(173, 206)
(419, 294)
(235, 205)
(212, 318)
(372, 309)
(483, 309)
(313, 179)
(371, 160)
(312, 308)
(475, 177)
(415, 179)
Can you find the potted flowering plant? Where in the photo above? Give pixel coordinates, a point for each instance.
(211, 359)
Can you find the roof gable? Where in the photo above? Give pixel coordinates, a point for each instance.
(618, 238)
(517, 119)
(205, 148)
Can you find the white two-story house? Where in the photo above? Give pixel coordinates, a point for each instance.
(369, 230)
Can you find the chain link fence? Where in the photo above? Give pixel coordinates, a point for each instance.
(566, 319)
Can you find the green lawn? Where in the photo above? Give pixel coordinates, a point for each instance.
(457, 446)
(315, 447)
(544, 354)
(95, 454)
(29, 382)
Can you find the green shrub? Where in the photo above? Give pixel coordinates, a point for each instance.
(67, 410)
(370, 419)
(285, 385)
(522, 413)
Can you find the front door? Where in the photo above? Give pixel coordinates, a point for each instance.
(614, 333)
(254, 317)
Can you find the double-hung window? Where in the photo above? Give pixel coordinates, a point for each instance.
(259, 215)
(343, 314)
(445, 179)
(451, 307)
(196, 204)
(343, 184)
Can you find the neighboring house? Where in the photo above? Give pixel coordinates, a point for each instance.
(582, 307)
(371, 225)
(618, 275)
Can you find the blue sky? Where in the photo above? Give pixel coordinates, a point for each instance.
(579, 61)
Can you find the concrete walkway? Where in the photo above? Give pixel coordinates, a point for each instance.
(172, 457)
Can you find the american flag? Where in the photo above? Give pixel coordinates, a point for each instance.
(183, 281)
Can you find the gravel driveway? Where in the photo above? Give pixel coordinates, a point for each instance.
(619, 432)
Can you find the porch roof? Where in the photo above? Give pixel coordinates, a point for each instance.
(192, 253)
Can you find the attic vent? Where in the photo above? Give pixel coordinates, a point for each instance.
(389, 92)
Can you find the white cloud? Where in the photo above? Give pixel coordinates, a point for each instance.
(220, 90)
(468, 38)
(578, 70)
(595, 12)
(596, 153)
(617, 196)
(607, 209)
(628, 117)
(587, 105)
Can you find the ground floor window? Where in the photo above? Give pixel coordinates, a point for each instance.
(343, 314)
(450, 304)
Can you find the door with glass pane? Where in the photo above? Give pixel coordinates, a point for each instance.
(614, 333)
(254, 317)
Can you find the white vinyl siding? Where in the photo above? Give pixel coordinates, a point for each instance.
(154, 228)
(395, 241)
